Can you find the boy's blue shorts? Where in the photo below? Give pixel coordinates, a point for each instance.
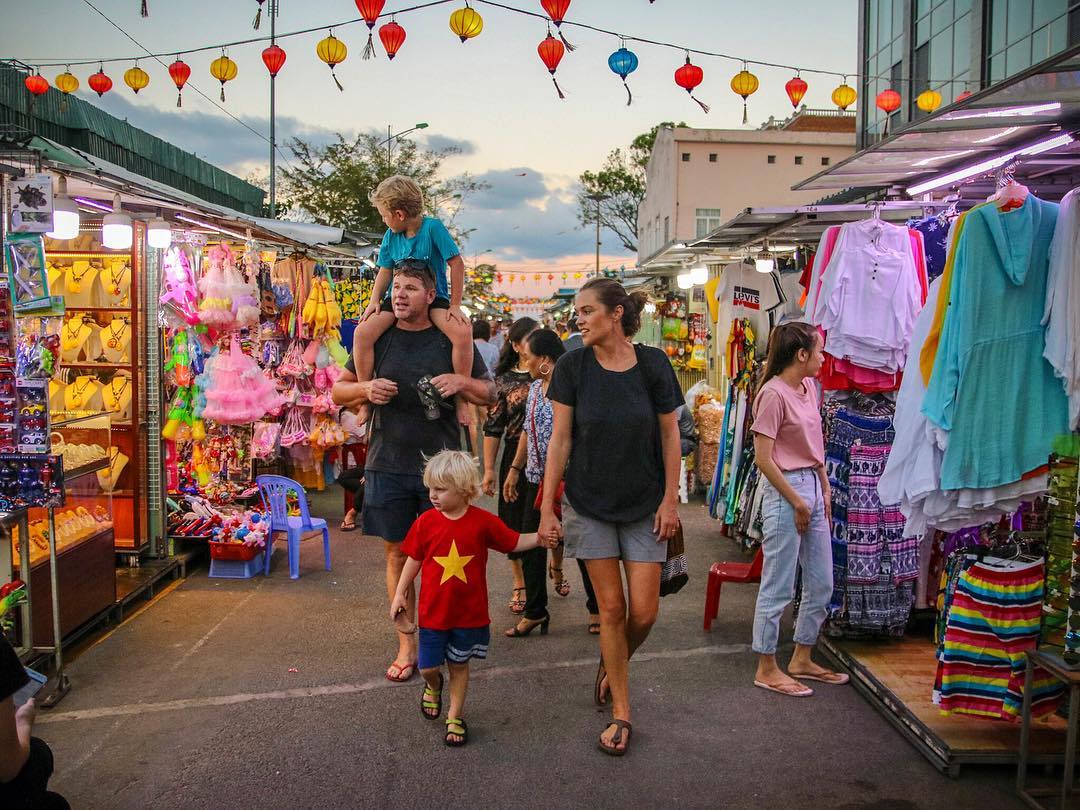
(456, 646)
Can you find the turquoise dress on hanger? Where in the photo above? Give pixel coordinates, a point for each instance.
(991, 387)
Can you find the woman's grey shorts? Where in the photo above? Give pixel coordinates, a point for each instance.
(590, 539)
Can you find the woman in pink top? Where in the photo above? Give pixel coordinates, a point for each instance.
(790, 452)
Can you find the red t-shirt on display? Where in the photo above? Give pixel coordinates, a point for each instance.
(453, 565)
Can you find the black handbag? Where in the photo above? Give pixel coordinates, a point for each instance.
(676, 571)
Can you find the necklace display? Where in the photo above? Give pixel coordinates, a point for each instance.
(113, 280)
(118, 398)
(75, 395)
(74, 337)
(74, 282)
(115, 334)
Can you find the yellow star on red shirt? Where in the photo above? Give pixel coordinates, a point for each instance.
(453, 564)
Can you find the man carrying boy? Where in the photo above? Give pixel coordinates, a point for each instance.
(409, 422)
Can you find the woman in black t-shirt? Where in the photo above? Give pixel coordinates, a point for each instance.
(503, 426)
(26, 763)
(616, 439)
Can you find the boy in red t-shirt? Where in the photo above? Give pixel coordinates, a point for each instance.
(448, 545)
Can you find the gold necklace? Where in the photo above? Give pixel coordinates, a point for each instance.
(73, 337)
(116, 394)
(115, 279)
(77, 394)
(75, 282)
(114, 335)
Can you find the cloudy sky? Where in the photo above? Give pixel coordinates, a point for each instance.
(491, 96)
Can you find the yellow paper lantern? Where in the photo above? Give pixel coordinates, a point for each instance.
(928, 100)
(332, 51)
(224, 70)
(136, 78)
(745, 84)
(466, 23)
(66, 82)
(844, 95)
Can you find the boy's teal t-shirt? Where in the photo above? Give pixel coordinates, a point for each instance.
(432, 243)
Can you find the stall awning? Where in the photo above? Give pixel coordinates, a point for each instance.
(785, 227)
(1029, 108)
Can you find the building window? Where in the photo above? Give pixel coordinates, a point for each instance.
(712, 157)
(771, 159)
(706, 220)
(685, 157)
(798, 160)
(1023, 33)
(825, 161)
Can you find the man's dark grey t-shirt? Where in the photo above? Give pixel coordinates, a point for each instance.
(402, 435)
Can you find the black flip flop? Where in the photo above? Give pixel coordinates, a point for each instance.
(345, 528)
(611, 750)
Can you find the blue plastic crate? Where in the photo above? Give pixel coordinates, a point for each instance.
(237, 569)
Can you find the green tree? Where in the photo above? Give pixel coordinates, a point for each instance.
(621, 180)
(330, 183)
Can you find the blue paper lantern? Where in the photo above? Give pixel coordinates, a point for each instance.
(622, 63)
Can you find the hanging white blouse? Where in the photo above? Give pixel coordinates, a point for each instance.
(870, 295)
(1062, 314)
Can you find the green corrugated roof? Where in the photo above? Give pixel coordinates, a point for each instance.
(83, 126)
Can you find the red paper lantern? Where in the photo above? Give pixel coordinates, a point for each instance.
(370, 11)
(274, 59)
(796, 89)
(100, 83)
(963, 95)
(556, 10)
(37, 84)
(179, 72)
(688, 77)
(888, 101)
(392, 36)
(551, 53)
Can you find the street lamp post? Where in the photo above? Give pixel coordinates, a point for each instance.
(598, 198)
(273, 11)
(391, 137)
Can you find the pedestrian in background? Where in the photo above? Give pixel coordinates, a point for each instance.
(502, 429)
(621, 499)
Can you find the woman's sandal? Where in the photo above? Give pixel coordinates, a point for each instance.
(594, 627)
(601, 673)
(431, 701)
(463, 735)
(612, 750)
(401, 669)
(517, 603)
(562, 586)
(347, 526)
(517, 632)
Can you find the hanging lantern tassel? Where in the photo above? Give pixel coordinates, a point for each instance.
(145, 11)
(688, 77)
(551, 53)
(556, 10)
(370, 11)
(622, 63)
(258, 15)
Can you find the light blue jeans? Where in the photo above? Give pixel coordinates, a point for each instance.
(784, 550)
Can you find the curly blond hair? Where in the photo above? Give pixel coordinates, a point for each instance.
(399, 193)
(453, 469)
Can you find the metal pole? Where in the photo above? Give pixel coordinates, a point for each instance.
(389, 147)
(273, 121)
(597, 236)
(62, 683)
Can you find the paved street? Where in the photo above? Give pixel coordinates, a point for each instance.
(193, 703)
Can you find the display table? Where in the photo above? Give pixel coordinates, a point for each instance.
(1070, 676)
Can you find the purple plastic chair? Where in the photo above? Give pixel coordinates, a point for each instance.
(275, 490)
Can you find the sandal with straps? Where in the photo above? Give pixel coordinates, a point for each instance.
(431, 701)
(562, 585)
(612, 750)
(517, 603)
(463, 735)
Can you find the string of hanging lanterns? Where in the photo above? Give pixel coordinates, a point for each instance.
(467, 23)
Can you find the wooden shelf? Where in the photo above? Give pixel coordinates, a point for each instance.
(65, 364)
(74, 254)
(98, 309)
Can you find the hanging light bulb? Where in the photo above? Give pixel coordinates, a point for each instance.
(699, 274)
(65, 214)
(116, 228)
(684, 281)
(764, 262)
(158, 233)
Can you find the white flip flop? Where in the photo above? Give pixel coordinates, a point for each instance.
(807, 691)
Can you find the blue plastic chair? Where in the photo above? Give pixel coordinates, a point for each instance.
(275, 490)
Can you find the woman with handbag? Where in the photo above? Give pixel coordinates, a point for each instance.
(503, 427)
(616, 439)
(542, 350)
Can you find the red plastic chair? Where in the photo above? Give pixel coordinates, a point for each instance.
(722, 572)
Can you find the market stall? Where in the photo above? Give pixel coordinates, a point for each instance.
(952, 530)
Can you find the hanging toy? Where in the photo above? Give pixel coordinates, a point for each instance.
(179, 283)
(215, 309)
(179, 415)
(245, 302)
(179, 362)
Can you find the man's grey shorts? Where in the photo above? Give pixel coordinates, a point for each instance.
(590, 539)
